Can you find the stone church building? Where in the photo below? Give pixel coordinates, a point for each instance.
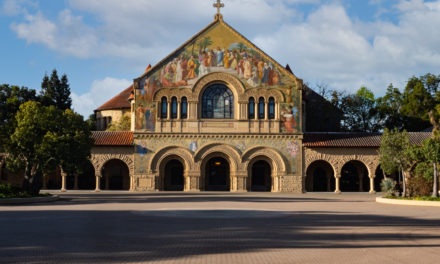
(219, 114)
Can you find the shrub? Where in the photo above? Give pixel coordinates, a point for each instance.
(388, 186)
(8, 191)
(419, 186)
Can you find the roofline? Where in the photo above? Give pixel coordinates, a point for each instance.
(221, 21)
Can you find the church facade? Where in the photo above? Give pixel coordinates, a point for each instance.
(219, 114)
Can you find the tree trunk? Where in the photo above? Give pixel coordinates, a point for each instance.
(32, 180)
(435, 183)
(403, 184)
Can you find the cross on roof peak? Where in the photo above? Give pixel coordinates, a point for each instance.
(218, 4)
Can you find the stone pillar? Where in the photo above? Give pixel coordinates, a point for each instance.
(179, 110)
(63, 181)
(97, 184)
(372, 191)
(75, 182)
(337, 184)
(266, 111)
(168, 110)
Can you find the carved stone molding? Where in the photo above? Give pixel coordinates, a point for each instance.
(230, 80)
(265, 93)
(272, 156)
(99, 160)
(184, 154)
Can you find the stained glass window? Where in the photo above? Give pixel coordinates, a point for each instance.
(271, 111)
(174, 108)
(251, 108)
(261, 108)
(184, 108)
(218, 102)
(164, 112)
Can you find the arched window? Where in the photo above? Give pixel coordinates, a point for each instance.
(218, 102)
(174, 108)
(164, 108)
(184, 108)
(271, 110)
(251, 112)
(261, 108)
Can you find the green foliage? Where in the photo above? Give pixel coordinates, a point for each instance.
(11, 97)
(92, 122)
(388, 109)
(393, 151)
(45, 138)
(124, 124)
(388, 186)
(56, 92)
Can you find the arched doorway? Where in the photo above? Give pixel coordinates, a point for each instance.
(261, 179)
(354, 177)
(115, 175)
(87, 180)
(217, 175)
(379, 176)
(173, 176)
(320, 177)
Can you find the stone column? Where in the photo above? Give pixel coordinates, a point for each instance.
(168, 110)
(266, 111)
(97, 184)
(179, 110)
(337, 184)
(63, 181)
(372, 190)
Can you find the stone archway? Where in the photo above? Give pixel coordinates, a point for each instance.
(278, 166)
(320, 177)
(260, 178)
(173, 175)
(115, 175)
(354, 177)
(163, 156)
(216, 173)
(219, 150)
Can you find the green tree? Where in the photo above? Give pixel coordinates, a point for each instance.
(124, 124)
(11, 97)
(420, 97)
(393, 154)
(360, 112)
(389, 109)
(56, 92)
(45, 138)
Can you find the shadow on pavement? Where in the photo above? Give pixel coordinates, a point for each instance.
(136, 236)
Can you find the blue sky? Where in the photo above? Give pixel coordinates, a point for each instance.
(102, 45)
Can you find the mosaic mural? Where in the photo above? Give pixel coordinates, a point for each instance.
(218, 49)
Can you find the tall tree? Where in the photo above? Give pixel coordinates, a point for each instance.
(11, 97)
(360, 112)
(420, 97)
(389, 109)
(393, 154)
(56, 92)
(45, 138)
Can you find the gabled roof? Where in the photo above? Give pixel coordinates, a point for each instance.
(211, 25)
(354, 140)
(120, 138)
(120, 101)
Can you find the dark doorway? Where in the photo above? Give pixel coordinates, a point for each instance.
(217, 175)
(115, 176)
(354, 177)
(320, 177)
(380, 175)
(261, 177)
(87, 180)
(173, 180)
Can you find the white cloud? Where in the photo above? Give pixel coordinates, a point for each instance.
(323, 46)
(100, 92)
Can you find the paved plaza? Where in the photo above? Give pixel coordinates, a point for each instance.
(86, 227)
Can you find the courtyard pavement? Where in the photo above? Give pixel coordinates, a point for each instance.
(121, 227)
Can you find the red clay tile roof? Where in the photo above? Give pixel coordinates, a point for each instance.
(120, 101)
(354, 140)
(120, 138)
